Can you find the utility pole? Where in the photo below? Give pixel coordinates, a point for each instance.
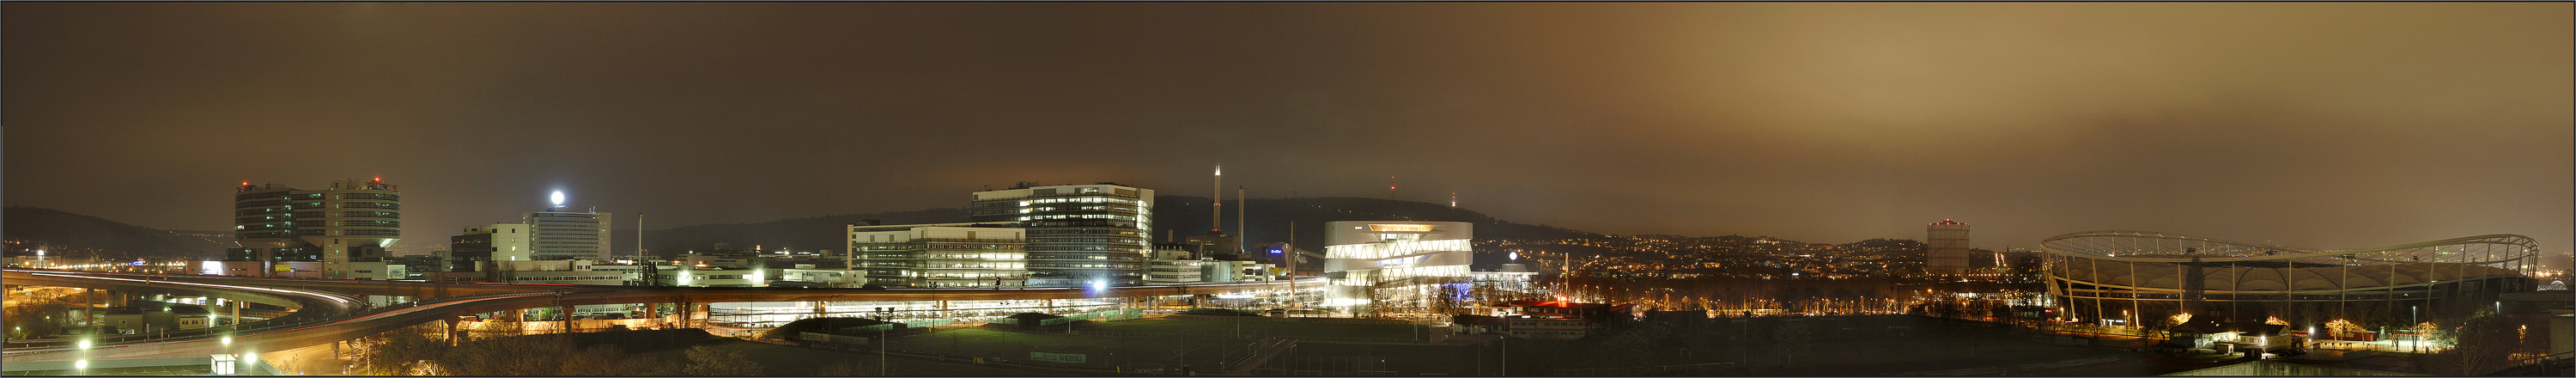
(1239, 208)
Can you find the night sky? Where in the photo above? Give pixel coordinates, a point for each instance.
(2315, 125)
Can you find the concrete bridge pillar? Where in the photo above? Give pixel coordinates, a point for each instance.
(89, 307)
(703, 309)
(451, 332)
(567, 318)
(685, 308)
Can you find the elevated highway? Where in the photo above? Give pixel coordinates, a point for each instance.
(348, 318)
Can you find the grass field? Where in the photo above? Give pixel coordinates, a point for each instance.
(1255, 329)
(777, 360)
(1098, 351)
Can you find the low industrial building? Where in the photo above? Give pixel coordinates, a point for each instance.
(982, 254)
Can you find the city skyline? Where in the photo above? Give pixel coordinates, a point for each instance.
(2313, 125)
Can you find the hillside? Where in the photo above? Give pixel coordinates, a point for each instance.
(74, 232)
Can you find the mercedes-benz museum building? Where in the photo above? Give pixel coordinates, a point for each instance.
(2152, 279)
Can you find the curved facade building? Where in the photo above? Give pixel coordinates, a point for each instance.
(352, 221)
(1394, 264)
(1078, 235)
(2152, 279)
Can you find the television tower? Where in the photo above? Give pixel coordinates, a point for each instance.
(1216, 203)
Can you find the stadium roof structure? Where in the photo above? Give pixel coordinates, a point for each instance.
(2146, 246)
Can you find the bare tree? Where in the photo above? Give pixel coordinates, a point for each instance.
(522, 355)
(402, 352)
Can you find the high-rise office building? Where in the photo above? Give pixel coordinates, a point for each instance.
(560, 234)
(496, 242)
(1946, 250)
(345, 228)
(1078, 235)
(938, 255)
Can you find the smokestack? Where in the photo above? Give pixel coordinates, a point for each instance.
(1239, 208)
(1216, 203)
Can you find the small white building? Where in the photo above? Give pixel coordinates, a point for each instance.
(710, 277)
(1172, 267)
(823, 277)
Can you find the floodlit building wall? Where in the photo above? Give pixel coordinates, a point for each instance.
(495, 242)
(351, 221)
(1946, 248)
(567, 235)
(1078, 235)
(1369, 262)
(939, 255)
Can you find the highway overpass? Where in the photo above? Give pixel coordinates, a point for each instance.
(349, 319)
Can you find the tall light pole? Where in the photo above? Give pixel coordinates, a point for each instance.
(881, 350)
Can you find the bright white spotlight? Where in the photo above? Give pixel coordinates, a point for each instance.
(558, 198)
